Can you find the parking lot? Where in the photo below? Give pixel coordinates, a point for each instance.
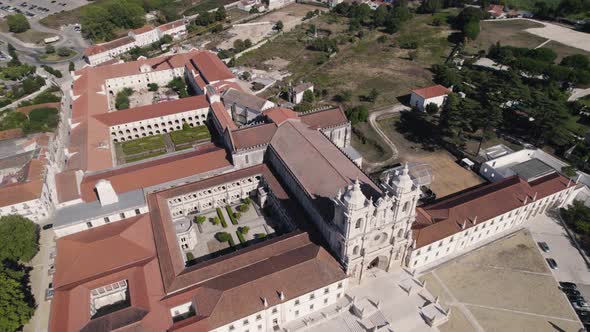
(37, 8)
(571, 267)
(504, 286)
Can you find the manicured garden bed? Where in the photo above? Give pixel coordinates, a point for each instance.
(189, 135)
(144, 144)
(231, 214)
(221, 218)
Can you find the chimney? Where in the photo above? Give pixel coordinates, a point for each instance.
(282, 296)
(525, 199)
(265, 302)
(475, 220)
(464, 224)
(535, 197)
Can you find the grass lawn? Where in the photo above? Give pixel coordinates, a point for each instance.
(360, 64)
(56, 57)
(190, 135)
(150, 155)
(529, 4)
(142, 144)
(29, 36)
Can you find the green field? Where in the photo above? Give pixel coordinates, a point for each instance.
(374, 61)
(529, 4)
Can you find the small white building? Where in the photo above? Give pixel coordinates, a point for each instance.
(436, 94)
(296, 93)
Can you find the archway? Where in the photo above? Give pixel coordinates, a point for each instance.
(379, 262)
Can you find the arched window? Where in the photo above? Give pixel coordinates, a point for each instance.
(400, 233)
(406, 205)
(358, 223)
(355, 251)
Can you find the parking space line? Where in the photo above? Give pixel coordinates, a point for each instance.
(518, 312)
(472, 320)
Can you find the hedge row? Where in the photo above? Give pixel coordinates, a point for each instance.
(221, 218)
(231, 241)
(232, 217)
(241, 237)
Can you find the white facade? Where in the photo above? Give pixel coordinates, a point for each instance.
(274, 316)
(470, 237)
(158, 125)
(139, 40)
(141, 80)
(99, 220)
(420, 102)
(37, 210)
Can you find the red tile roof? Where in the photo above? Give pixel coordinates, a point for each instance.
(247, 137)
(99, 48)
(153, 110)
(444, 218)
(171, 25)
(279, 115)
(326, 118)
(432, 91)
(222, 116)
(211, 67)
(207, 158)
(67, 186)
(143, 29)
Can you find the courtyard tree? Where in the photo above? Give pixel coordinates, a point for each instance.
(17, 23)
(153, 87)
(179, 86)
(244, 229)
(49, 49)
(16, 302)
(214, 220)
(71, 66)
(64, 51)
(279, 26)
(19, 238)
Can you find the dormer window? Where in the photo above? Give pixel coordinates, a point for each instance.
(109, 298)
(182, 312)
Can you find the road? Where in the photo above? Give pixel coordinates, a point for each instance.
(373, 123)
(30, 53)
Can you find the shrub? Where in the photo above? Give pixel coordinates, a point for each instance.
(241, 237)
(189, 256)
(64, 51)
(221, 218)
(260, 235)
(237, 215)
(243, 207)
(49, 49)
(200, 219)
(244, 229)
(214, 220)
(222, 236)
(53, 71)
(231, 215)
(247, 201)
(153, 87)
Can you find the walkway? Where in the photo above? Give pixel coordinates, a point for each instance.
(170, 147)
(373, 117)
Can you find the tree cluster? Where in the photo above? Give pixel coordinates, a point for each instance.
(323, 44)
(388, 18)
(573, 69)
(577, 217)
(179, 86)
(122, 98)
(546, 10)
(357, 114)
(241, 45)
(206, 18)
(468, 22)
(100, 20)
(503, 100)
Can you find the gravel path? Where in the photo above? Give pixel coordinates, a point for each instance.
(373, 123)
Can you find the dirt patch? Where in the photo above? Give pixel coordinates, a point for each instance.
(510, 32)
(277, 63)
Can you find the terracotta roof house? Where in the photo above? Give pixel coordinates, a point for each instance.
(435, 94)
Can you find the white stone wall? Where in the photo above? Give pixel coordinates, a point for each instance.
(440, 250)
(155, 126)
(36, 210)
(283, 313)
(250, 157)
(141, 80)
(339, 135)
(146, 38)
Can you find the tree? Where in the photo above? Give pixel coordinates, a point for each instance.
(220, 14)
(153, 87)
(166, 39)
(63, 51)
(247, 43)
(19, 238)
(71, 66)
(200, 219)
(96, 24)
(279, 26)
(189, 256)
(179, 86)
(126, 14)
(471, 30)
(576, 61)
(430, 6)
(357, 114)
(308, 96)
(17, 23)
(16, 307)
(373, 95)
(569, 171)
(214, 220)
(239, 45)
(244, 229)
(49, 49)
(431, 108)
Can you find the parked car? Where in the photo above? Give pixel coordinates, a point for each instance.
(544, 246)
(581, 306)
(567, 285)
(47, 226)
(575, 298)
(572, 292)
(552, 263)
